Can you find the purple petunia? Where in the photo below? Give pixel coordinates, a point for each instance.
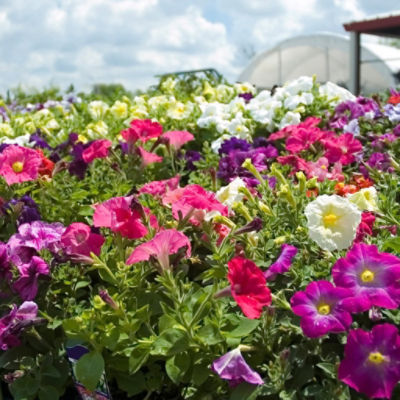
(372, 361)
(372, 278)
(5, 264)
(233, 144)
(320, 309)
(233, 367)
(283, 263)
(12, 324)
(27, 284)
(25, 207)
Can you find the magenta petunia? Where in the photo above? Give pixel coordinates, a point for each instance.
(143, 130)
(178, 138)
(319, 307)
(148, 157)
(371, 363)
(27, 284)
(12, 324)
(78, 240)
(283, 263)
(342, 148)
(233, 368)
(19, 164)
(372, 277)
(164, 243)
(160, 188)
(248, 286)
(96, 149)
(116, 214)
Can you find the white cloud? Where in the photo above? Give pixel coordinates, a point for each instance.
(129, 41)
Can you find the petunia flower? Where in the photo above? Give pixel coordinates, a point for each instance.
(116, 214)
(319, 307)
(27, 284)
(148, 157)
(162, 245)
(332, 221)
(12, 324)
(160, 188)
(372, 277)
(177, 139)
(365, 199)
(19, 164)
(371, 363)
(96, 149)
(78, 240)
(5, 263)
(365, 227)
(342, 149)
(248, 286)
(233, 368)
(143, 130)
(283, 263)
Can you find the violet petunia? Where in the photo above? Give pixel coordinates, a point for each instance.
(283, 263)
(371, 363)
(372, 277)
(27, 284)
(5, 263)
(233, 368)
(320, 309)
(12, 324)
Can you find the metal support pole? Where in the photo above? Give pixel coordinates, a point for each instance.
(355, 62)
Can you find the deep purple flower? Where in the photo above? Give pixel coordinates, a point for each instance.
(38, 140)
(233, 144)
(27, 284)
(283, 263)
(253, 226)
(27, 209)
(260, 142)
(5, 265)
(13, 323)
(396, 130)
(379, 161)
(371, 363)
(246, 96)
(233, 367)
(372, 278)
(319, 307)
(192, 156)
(59, 150)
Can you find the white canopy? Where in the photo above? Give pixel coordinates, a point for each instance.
(326, 56)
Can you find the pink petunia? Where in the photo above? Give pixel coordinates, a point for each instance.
(78, 240)
(97, 149)
(194, 201)
(321, 170)
(283, 263)
(342, 148)
(116, 214)
(19, 164)
(248, 286)
(143, 130)
(178, 138)
(161, 246)
(147, 157)
(310, 122)
(160, 188)
(302, 138)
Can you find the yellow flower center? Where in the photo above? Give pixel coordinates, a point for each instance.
(367, 275)
(376, 357)
(324, 309)
(323, 167)
(330, 220)
(17, 167)
(367, 196)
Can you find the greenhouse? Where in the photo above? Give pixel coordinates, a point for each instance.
(326, 56)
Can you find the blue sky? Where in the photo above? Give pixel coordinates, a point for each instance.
(59, 42)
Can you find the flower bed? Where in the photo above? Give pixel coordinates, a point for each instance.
(201, 241)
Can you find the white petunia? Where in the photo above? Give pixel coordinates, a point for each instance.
(228, 195)
(366, 199)
(332, 221)
(97, 109)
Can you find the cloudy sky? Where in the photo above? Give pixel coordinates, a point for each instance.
(45, 42)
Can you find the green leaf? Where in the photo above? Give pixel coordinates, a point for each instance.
(177, 366)
(244, 327)
(48, 393)
(392, 243)
(138, 357)
(24, 388)
(132, 384)
(329, 368)
(170, 342)
(89, 369)
(210, 334)
(244, 391)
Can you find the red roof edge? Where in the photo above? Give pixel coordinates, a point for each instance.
(373, 25)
